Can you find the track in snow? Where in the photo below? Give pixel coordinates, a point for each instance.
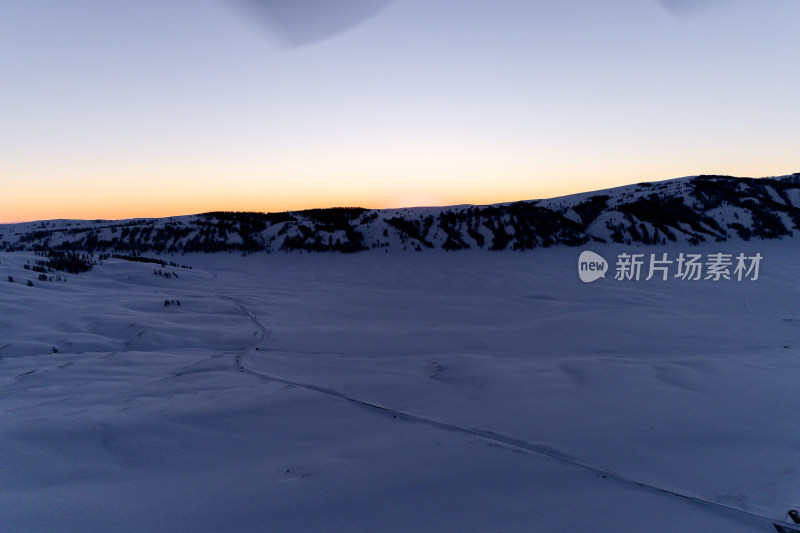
(505, 440)
(497, 438)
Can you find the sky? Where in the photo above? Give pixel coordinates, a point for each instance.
(140, 108)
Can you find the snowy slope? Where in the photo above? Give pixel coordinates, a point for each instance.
(434, 391)
(398, 392)
(688, 210)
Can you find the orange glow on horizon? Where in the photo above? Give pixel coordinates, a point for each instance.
(137, 207)
(136, 199)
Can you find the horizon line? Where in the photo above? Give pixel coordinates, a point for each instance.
(102, 219)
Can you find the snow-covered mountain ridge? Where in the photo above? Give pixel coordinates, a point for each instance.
(690, 210)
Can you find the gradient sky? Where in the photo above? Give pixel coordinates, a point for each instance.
(127, 108)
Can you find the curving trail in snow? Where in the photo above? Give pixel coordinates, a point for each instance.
(253, 405)
(504, 440)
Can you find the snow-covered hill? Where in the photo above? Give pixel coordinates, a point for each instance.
(437, 391)
(404, 392)
(690, 210)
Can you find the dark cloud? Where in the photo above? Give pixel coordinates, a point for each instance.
(301, 22)
(684, 8)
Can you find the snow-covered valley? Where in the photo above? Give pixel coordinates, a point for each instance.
(433, 391)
